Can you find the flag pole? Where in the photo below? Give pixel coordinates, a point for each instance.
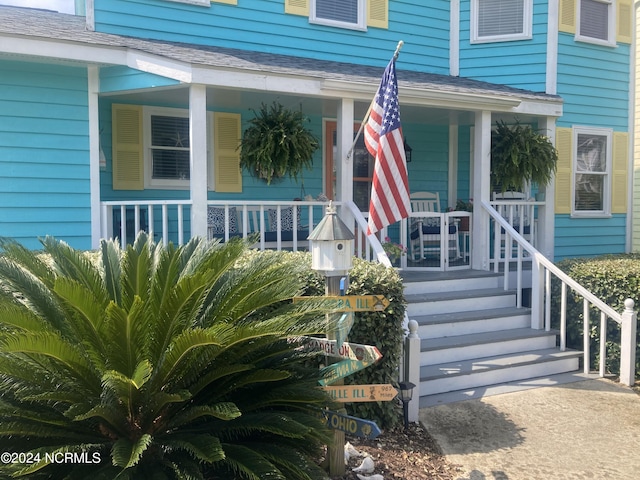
(366, 115)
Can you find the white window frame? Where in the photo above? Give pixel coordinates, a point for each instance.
(527, 25)
(168, 184)
(606, 194)
(360, 25)
(611, 36)
(200, 3)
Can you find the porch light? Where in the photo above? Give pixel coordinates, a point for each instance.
(406, 394)
(331, 245)
(407, 151)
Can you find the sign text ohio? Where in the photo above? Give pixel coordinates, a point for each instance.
(351, 303)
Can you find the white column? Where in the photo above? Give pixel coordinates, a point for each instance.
(93, 77)
(198, 159)
(344, 166)
(481, 189)
(546, 214)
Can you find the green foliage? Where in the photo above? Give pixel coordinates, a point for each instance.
(612, 278)
(159, 362)
(520, 155)
(277, 144)
(382, 329)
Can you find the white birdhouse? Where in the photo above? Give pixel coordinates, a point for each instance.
(331, 245)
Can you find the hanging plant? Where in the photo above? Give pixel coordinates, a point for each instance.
(520, 155)
(277, 144)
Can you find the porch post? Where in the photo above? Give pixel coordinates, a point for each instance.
(481, 189)
(546, 213)
(344, 167)
(93, 74)
(198, 159)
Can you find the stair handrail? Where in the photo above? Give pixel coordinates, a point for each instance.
(627, 320)
(372, 240)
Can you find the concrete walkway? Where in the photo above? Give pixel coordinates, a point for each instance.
(584, 430)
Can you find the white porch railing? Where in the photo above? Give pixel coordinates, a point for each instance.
(542, 271)
(279, 224)
(120, 219)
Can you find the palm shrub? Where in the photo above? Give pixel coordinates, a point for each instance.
(156, 362)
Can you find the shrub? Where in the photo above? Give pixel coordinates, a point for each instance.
(612, 278)
(158, 362)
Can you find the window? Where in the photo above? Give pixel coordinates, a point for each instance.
(592, 171)
(596, 21)
(339, 13)
(500, 20)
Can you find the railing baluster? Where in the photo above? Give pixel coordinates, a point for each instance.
(603, 343)
(180, 225)
(586, 336)
(563, 317)
(165, 224)
(547, 300)
(123, 226)
(150, 225)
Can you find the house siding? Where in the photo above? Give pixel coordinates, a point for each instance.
(44, 153)
(263, 26)
(594, 82)
(115, 79)
(520, 63)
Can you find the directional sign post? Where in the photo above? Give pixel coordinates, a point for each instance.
(343, 328)
(362, 393)
(352, 425)
(348, 350)
(351, 303)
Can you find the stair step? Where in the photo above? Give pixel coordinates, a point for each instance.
(419, 282)
(458, 301)
(481, 372)
(480, 345)
(474, 321)
(508, 387)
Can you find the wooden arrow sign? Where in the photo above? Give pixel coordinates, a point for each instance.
(335, 371)
(351, 303)
(352, 425)
(348, 350)
(362, 393)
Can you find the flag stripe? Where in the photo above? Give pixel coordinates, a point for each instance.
(390, 201)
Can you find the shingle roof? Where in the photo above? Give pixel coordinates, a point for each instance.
(45, 24)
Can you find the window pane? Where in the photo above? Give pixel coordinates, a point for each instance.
(339, 10)
(594, 19)
(500, 17)
(591, 153)
(169, 131)
(362, 195)
(170, 164)
(589, 192)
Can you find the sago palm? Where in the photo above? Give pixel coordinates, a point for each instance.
(155, 362)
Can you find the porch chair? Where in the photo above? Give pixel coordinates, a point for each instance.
(425, 232)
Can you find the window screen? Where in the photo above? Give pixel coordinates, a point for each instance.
(500, 17)
(591, 172)
(338, 10)
(170, 147)
(594, 19)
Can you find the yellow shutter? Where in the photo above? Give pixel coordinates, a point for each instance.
(624, 17)
(620, 171)
(226, 155)
(378, 13)
(564, 172)
(297, 7)
(128, 161)
(567, 16)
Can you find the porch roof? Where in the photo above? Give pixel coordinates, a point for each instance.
(27, 31)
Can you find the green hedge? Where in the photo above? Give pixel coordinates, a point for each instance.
(382, 329)
(612, 278)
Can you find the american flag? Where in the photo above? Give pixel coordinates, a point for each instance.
(390, 201)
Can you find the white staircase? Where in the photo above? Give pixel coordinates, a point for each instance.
(474, 340)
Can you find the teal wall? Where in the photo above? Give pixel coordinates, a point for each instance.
(44, 154)
(520, 63)
(262, 25)
(115, 79)
(585, 237)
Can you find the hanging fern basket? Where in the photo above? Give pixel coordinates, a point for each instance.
(277, 144)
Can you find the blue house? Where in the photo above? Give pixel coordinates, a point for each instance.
(128, 116)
